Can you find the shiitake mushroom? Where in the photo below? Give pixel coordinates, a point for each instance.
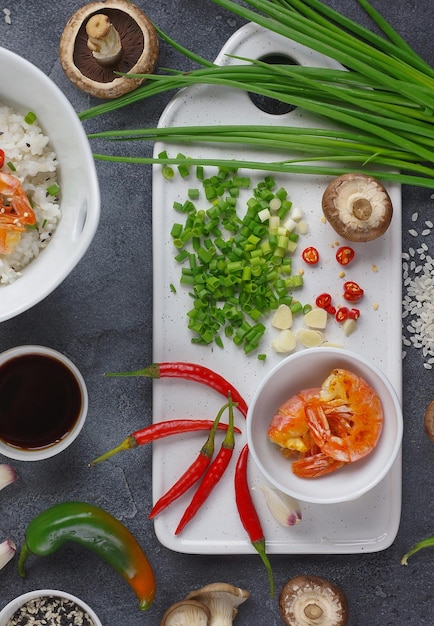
(311, 600)
(357, 207)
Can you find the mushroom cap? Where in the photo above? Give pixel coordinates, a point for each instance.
(357, 206)
(222, 599)
(313, 601)
(186, 613)
(139, 49)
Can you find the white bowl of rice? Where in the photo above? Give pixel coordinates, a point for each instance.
(46, 164)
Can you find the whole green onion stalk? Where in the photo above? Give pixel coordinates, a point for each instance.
(383, 97)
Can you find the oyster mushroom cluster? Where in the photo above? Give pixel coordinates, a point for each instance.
(213, 605)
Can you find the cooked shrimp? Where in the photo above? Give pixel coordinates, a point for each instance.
(315, 465)
(16, 212)
(338, 423)
(289, 428)
(347, 419)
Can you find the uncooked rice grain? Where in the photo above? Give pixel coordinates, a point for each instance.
(34, 163)
(418, 300)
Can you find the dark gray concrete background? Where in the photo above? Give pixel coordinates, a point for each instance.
(101, 317)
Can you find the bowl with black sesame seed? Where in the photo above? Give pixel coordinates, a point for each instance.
(49, 607)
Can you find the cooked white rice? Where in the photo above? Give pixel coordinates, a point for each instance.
(28, 149)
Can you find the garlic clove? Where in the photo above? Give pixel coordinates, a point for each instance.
(7, 552)
(8, 475)
(285, 509)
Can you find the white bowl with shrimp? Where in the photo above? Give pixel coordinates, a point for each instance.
(352, 479)
(75, 202)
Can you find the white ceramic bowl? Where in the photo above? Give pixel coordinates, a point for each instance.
(41, 453)
(26, 88)
(310, 368)
(14, 605)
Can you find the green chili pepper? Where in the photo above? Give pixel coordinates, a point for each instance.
(96, 529)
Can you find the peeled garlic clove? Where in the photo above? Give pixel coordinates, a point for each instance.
(7, 552)
(8, 475)
(285, 510)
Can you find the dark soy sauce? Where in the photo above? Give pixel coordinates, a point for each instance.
(40, 401)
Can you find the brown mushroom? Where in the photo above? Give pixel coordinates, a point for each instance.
(103, 38)
(187, 613)
(428, 420)
(309, 600)
(357, 206)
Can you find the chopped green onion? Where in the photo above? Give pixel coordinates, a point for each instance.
(53, 190)
(11, 166)
(234, 277)
(30, 118)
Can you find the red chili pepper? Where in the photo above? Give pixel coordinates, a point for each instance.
(352, 291)
(331, 309)
(247, 512)
(2, 157)
(310, 255)
(354, 314)
(344, 255)
(193, 473)
(190, 371)
(213, 474)
(158, 431)
(323, 300)
(342, 314)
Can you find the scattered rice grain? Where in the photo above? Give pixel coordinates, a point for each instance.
(412, 232)
(418, 300)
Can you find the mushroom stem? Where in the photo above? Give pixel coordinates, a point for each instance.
(362, 209)
(104, 40)
(313, 611)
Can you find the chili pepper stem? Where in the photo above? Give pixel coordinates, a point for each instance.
(152, 371)
(425, 543)
(126, 444)
(261, 550)
(22, 558)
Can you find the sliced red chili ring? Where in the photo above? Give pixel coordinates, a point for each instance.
(323, 300)
(2, 157)
(342, 314)
(344, 255)
(310, 255)
(352, 297)
(354, 314)
(351, 287)
(352, 291)
(331, 309)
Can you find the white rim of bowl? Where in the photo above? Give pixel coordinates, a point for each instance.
(41, 454)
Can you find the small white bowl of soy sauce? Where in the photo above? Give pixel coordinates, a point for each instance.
(43, 402)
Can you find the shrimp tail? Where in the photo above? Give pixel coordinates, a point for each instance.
(315, 466)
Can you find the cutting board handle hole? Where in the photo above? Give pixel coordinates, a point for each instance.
(271, 105)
